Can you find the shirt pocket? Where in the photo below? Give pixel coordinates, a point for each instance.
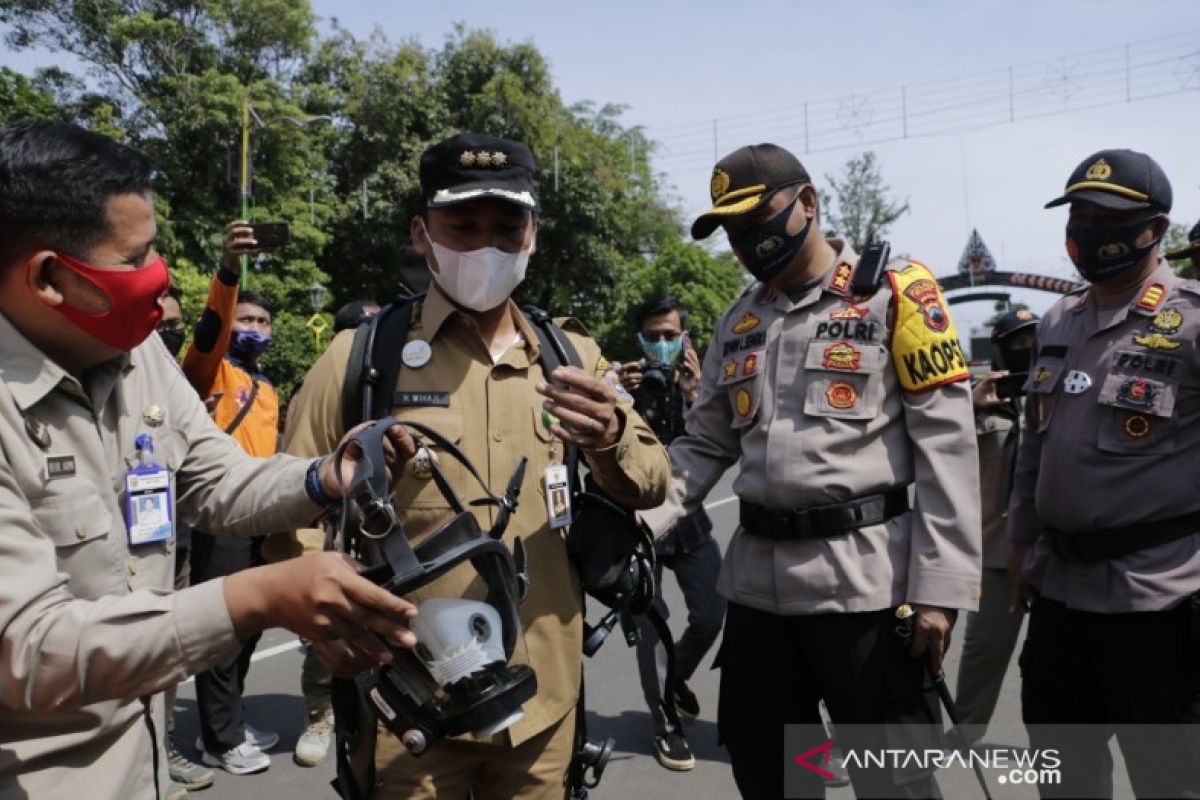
(1042, 388)
(415, 487)
(78, 524)
(741, 379)
(844, 379)
(1137, 411)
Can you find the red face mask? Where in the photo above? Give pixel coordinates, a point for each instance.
(133, 301)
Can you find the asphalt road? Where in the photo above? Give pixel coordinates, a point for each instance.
(616, 708)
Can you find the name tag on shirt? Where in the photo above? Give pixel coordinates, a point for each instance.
(149, 507)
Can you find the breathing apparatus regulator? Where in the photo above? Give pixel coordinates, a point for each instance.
(469, 672)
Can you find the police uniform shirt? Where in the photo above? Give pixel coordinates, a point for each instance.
(994, 432)
(807, 394)
(1111, 440)
(86, 618)
(490, 409)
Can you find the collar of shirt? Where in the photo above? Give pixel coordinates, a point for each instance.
(31, 375)
(843, 253)
(1108, 316)
(436, 309)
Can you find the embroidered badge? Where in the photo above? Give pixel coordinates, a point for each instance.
(750, 365)
(1155, 341)
(843, 356)
(1166, 322)
(747, 323)
(1138, 392)
(1099, 171)
(841, 278)
(719, 184)
(1136, 426)
(730, 369)
(849, 312)
(743, 400)
(1077, 382)
(1041, 375)
(1152, 297)
(924, 293)
(841, 395)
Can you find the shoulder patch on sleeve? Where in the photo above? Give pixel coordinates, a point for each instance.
(925, 346)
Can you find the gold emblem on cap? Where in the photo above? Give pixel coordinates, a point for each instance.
(483, 158)
(1100, 171)
(719, 185)
(499, 159)
(467, 159)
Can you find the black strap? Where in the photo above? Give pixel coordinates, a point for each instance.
(245, 409)
(823, 522)
(1108, 543)
(375, 360)
(556, 350)
(354, 728)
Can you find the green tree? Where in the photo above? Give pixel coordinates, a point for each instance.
(859, 207)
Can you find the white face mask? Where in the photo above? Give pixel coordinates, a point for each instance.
(478, 279)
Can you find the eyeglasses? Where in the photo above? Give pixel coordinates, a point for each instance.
(662, 336)
(170, 326)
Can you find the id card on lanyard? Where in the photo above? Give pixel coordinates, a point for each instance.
(149, 506)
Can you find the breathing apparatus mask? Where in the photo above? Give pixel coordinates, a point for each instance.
(469, 670)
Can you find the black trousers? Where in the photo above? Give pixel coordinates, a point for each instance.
(1095, 671)
(774, 671)
(219, 690)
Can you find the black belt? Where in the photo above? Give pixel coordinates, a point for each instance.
(823, 522)
(1109, 543)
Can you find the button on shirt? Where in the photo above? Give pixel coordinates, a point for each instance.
(1120, 453)
(88, 623)
(805, 393)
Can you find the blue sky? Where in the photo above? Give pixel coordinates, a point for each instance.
(752, 65)
(678, 65)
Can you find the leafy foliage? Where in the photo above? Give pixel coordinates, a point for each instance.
(859, 208)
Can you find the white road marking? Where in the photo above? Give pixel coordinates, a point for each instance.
(287, 647)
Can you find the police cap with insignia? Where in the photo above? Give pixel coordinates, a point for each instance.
(1192, 249)
(1120, 180)
(1012, 321)
(744, 180)
(470, 166)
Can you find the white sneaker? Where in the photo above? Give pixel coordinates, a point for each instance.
(241, 760)
(263, 740)
(313, 746)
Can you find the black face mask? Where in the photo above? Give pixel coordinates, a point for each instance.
(767, 248)
(173, 340)
(1103, 252)
(1014, 359)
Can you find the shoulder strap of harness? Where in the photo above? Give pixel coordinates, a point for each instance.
(555, 350)
(374, 363)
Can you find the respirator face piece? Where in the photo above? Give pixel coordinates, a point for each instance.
(469, 672)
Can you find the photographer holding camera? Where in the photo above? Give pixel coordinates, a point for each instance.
(992, 631)
(664, 386)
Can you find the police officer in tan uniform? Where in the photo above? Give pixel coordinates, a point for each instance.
(471, 369)
(851, 417)
(1105, 514)
(104, 442)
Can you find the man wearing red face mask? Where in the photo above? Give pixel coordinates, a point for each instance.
(1105, 516)
(105, 445)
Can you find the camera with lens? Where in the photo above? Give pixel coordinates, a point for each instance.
(658, 376)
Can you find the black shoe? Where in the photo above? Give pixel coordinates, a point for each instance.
(686, 704)
(672, 752)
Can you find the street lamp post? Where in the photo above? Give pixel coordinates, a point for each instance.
(316, 323)
(244, 182)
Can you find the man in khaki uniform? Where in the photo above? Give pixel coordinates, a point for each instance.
(1105, 514)
(96, 424)
(838, 407)
(470, 370)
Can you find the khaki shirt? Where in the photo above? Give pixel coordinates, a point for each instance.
(805, 393)
(994, 432)
(88, 623)
(1122, 452)
(492, 412)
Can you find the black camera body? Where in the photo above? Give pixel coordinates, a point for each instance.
(658, 376)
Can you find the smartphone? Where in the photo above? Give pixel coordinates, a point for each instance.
(1011, 386)
(868, 273)
(271, 235)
